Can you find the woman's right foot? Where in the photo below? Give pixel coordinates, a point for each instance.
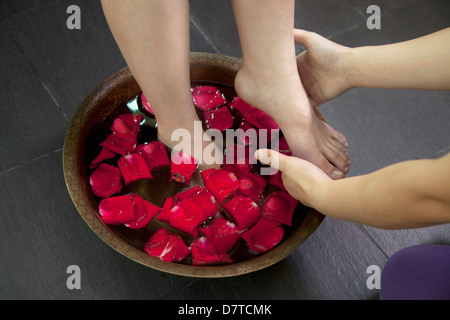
(284, 99)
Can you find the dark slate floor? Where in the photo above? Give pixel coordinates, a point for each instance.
(48, 70)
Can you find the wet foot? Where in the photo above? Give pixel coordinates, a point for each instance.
(281, 95)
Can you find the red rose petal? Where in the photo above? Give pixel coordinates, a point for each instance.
(146, 104)
(207, 98)
(239, 154)
(221, 183)
(222, 233)
(276, 181)
(279, 206)
(124, 134)
(144, 212)
(243, 211)
(133, 167)
(169, 203)
(252, 115)
(265, 235)
(248, 135)
(132, 122)
(252, 185)
(220, 119)
(104, 155)
(167, 246)
(182, 217)
(119, 143)
(183, 167)
(105, 181)
(117, 210)
(155, 154)
(204, 253)
(188, 193)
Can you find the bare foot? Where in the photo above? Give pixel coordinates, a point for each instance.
(281, 95)
(189, 137)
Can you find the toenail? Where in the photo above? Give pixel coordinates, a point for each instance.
(337, 173)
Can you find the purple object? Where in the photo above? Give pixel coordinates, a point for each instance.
(417, 273)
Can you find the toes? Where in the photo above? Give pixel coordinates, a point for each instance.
(339, 137)
(331, 170)
(336, 156)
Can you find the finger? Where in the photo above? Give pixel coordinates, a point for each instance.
(300, 36)
(273, 158)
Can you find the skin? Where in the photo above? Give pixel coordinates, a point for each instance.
(408, 194)
(269, 80)
(153, 37)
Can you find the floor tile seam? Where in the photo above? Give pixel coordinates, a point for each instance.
(440, 153)
(33, 69)
(27, 162)
(352, 27)
(372, 239)
(177, 290)
(204, 35)
(14, 14)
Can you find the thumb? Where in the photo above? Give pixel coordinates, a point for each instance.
(273, 158)
(301, 37)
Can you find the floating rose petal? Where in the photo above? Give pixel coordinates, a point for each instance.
(104, 155)
(188, 193)
(207, 98)
(124, 134)
(204, 253)
(119, 143)
(167, 246)
(117, 210)
(106, 181)
(188, 215)
(155, 154)
(252, 185)
(248, 135)
(221, 183)
(144, 212)
(133, 167)
(279, 206)
(284, 147)
(252, 115)
(146, 104)
(276, 180)
(183, 167)
(169, 203)
(265, 235)
(243, 211)
(220, 119)
(132, 122)
(223, 234)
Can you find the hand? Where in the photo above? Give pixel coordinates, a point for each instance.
(303, 180)
(322, 67)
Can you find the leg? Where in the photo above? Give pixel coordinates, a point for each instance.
(153, 37)
(269, 80)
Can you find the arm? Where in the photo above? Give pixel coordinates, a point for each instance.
(328, 69)
(409, 194)
(422, 63)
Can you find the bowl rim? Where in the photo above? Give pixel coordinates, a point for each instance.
(79, 191)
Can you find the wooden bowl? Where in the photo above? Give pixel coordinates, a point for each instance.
(104, 102)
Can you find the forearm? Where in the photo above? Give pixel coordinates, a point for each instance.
(422, 63)
(405, 195)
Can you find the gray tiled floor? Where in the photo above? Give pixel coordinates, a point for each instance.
(48, 70)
